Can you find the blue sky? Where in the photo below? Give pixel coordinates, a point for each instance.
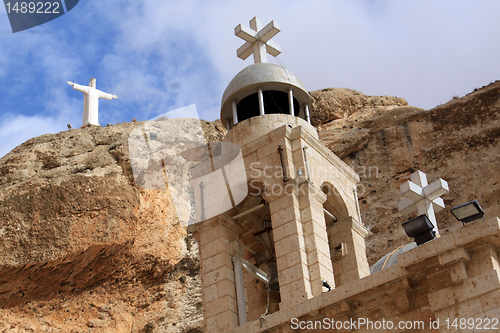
(159, 55)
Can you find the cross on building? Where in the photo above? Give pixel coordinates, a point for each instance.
(258, 40)
(423, 197)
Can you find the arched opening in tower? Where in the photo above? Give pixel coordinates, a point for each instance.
(258, 239)
(335, 210)
(274, 102)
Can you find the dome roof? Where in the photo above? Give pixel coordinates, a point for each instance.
(391, 259)
(265, 75)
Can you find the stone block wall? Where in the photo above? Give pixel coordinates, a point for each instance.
(274, 148)
(451, 284)
(252, 129)
(220, 310)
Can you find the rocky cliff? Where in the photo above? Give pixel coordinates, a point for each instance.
(83, 248)
(384, 140)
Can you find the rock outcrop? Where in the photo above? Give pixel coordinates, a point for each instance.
(83, 248)
(339, 103)
(384, 141)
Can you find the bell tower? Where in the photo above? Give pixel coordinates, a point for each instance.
(298, 232)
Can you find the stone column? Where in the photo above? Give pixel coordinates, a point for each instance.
(214, 236)
(306, 113)
(291, 257)
(261, 102)
(235, 113)
(316, 238)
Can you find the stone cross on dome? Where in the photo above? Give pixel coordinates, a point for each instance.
(258, 40)
(423, 197)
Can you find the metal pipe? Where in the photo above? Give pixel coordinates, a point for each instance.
(286, 177)
(290, 101)
(330, 214)
(255, 271)
(240, 291)
(235, 113)
(261, 102)
(307, 164)
(248, 211)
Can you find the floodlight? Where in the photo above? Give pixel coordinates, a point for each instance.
(468, 212)
(420, 229)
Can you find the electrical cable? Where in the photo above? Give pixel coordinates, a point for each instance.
(390, 254)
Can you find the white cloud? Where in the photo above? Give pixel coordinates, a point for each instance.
(16, 129)
(161, 55)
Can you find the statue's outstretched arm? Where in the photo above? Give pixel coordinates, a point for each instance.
(102, 94)
(78, 87)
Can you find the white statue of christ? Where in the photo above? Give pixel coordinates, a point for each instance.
(91, 97)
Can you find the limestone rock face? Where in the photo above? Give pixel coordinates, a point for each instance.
(340, 103)
(82, 246)
(384, 143)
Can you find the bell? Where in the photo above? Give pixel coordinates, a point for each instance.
(273, 283)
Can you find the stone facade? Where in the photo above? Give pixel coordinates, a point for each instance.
(217, 275)
(298, 180)
(454, 277)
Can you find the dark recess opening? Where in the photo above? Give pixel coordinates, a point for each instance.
(274, 102)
